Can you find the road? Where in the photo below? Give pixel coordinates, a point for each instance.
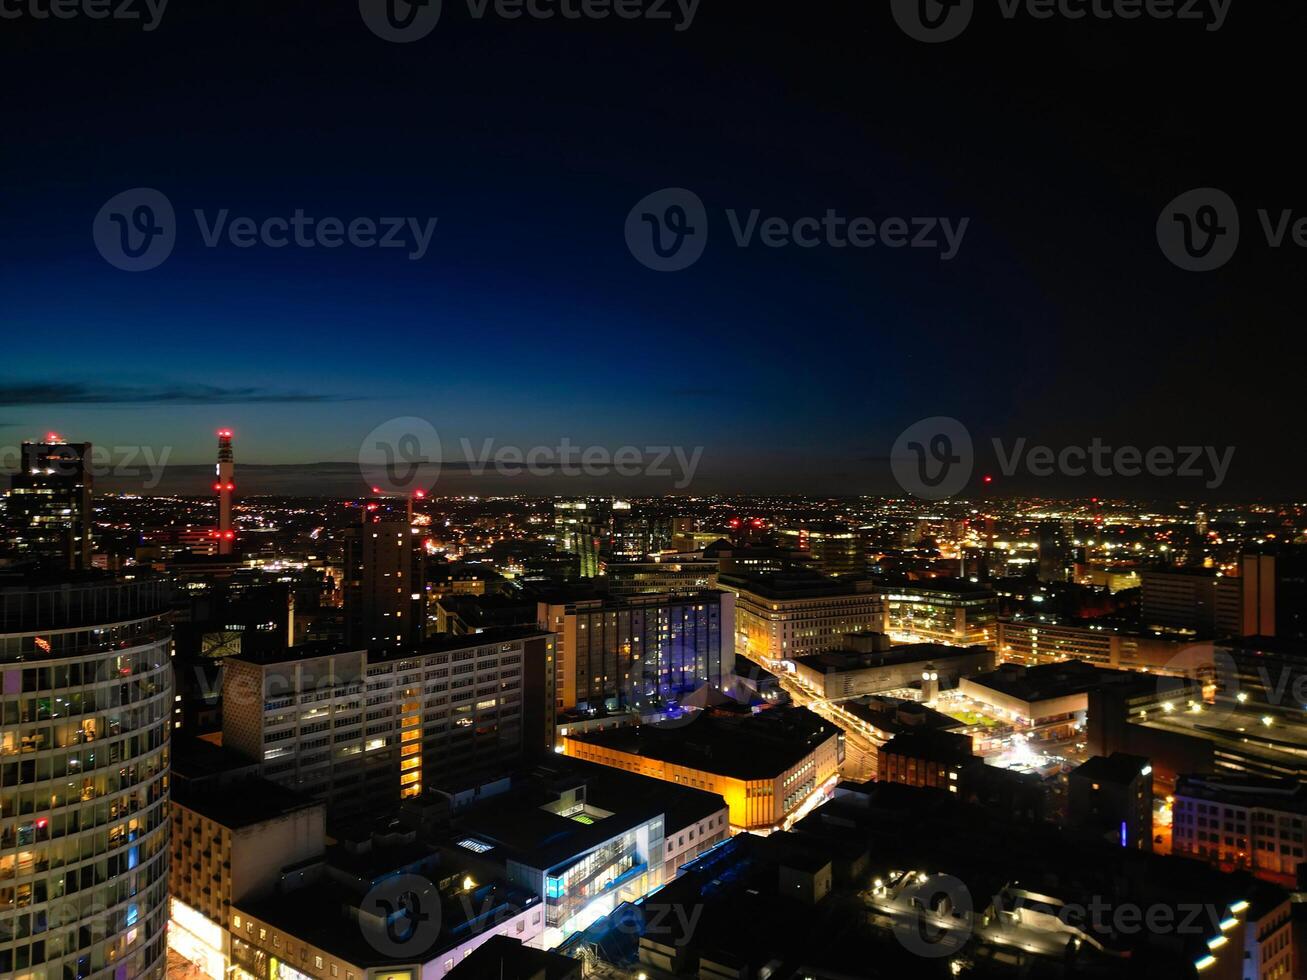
(859, 748)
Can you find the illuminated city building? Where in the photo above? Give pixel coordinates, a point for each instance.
(383, 906)
(639, 651)
(931, 759)
(231, 844)
(869, 665)
(49, 505)
(1274, 579)
(784, 615)
(586, 838)
(835, 549)
(385, 584)
(1112, 798)
(359, 727)
(948, 611)
(766, 766)
(85, 703)
(1240, 821)
(1039, 640)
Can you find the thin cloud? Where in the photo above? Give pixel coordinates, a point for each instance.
(80, 393)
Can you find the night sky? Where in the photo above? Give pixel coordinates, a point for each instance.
(529, 320)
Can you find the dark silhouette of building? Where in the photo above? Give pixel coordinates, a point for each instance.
(49, 509)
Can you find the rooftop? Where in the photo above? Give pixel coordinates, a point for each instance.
(243, 802)
(909, 653)
(1288, 795)
(932, 746)
(1047, 681)
(436, 644)
(754, 746)
(1120, 768)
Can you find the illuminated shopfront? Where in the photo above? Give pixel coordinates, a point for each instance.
(197, 939)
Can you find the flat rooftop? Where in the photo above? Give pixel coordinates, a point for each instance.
(1288, 795)
(243, 802)
(910, 653)
(798, 584)
(1047, 681)
(523, 822)
(1119, 768)
(932, 746)
(755, 746)
(435, 644)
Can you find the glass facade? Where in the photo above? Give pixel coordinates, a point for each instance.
(642, 654)
(84, 801)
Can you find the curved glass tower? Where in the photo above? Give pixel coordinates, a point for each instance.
(85, 692)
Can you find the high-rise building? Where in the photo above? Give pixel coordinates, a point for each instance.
(1275, 591)
(360, 728)
(1055, 558)
(641, 651)
(385, 584)
(835, 549)
(85, 699)
(1183, 598)
(49, 507)
(785, 615)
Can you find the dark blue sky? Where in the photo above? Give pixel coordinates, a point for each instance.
(529, 320)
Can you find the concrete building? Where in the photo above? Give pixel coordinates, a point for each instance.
(666, 574)
(585, 838)
(952, 611)
(1240, 821)
(85, 702)
(1183, 598)
(232, 843)
(1103, 644)
(932, 759)
(382, 907)
(765, 766)
(780, 616)
(356, 727)
(876, 667)
(1051, 700)
(385, 584)
(1111, 797)
(639, 651)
